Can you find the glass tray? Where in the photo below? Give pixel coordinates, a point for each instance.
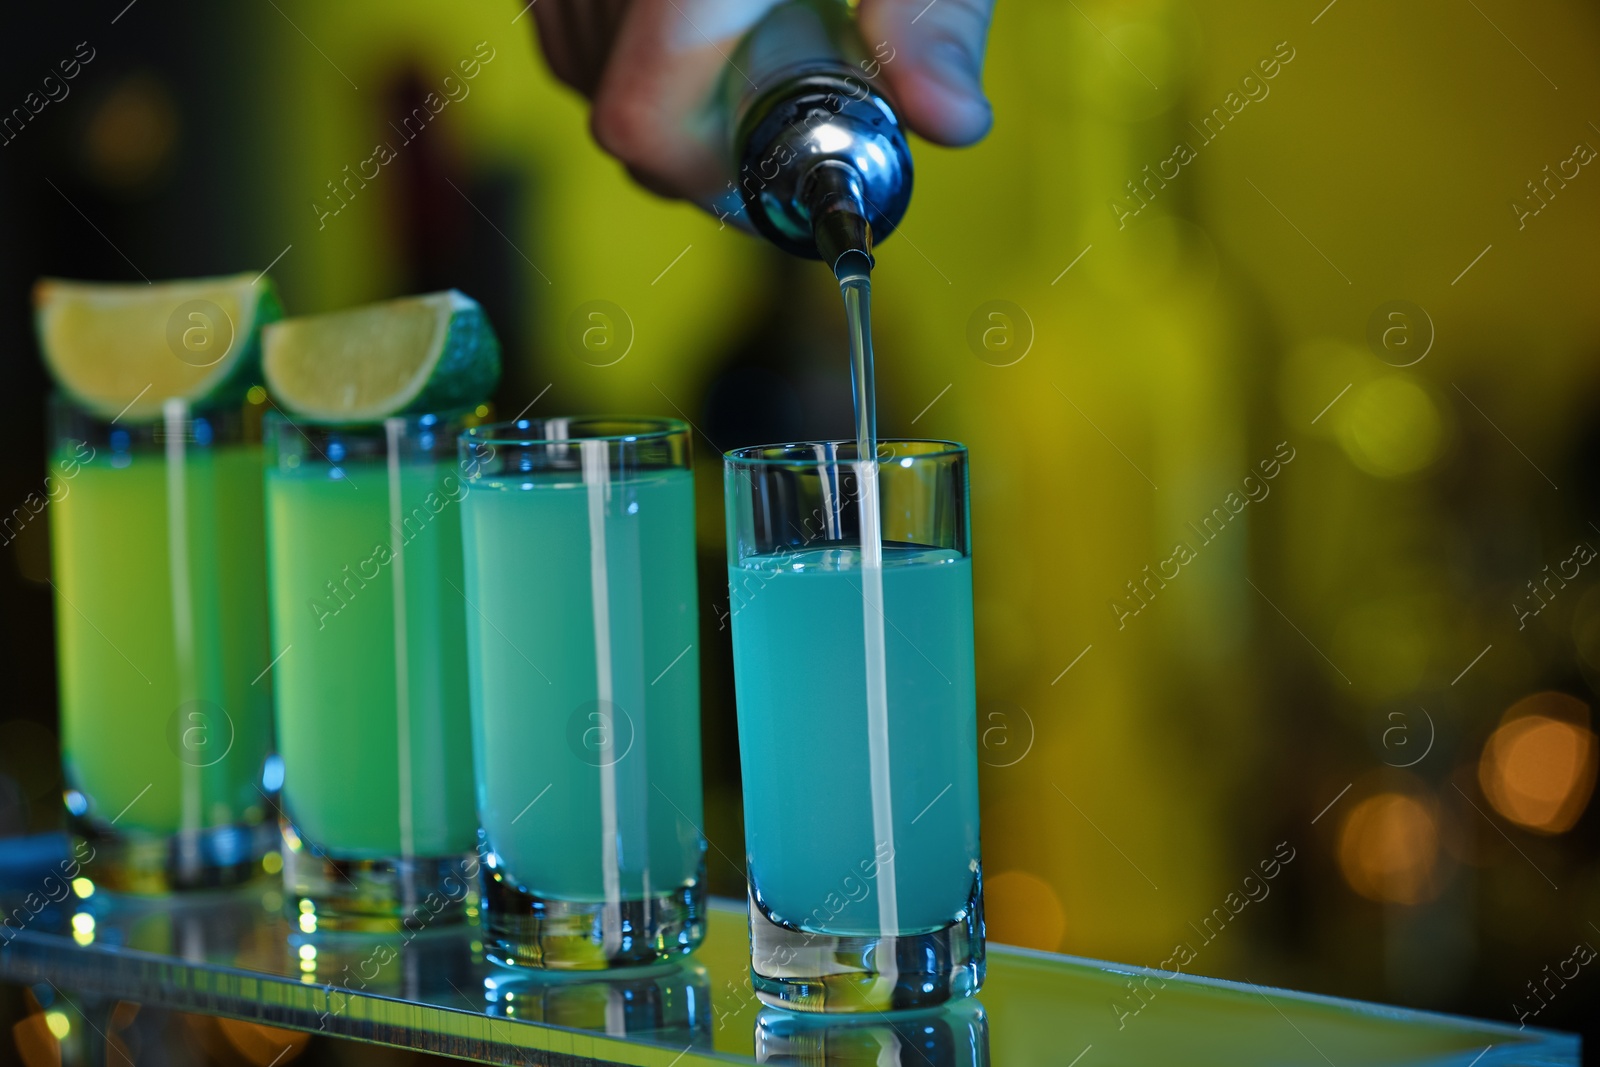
(235, 954)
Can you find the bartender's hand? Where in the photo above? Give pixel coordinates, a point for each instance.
(651, 66)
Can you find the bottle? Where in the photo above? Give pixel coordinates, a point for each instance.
(821, 163)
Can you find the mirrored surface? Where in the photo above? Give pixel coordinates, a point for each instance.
(235, 954)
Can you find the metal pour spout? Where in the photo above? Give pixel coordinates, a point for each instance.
(839, 223)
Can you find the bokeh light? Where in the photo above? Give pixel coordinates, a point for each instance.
(83, 928)
(1022, 909)
(1538, 767)
(131, 136)
(1391, 427)
(1389, 849)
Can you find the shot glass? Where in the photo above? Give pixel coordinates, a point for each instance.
(853, 670)
(368, 617)
(159, 573)
(580, 578)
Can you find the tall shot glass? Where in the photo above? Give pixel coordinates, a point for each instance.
(857, 725)
(161, 630)
(364, 541)
(580, 575)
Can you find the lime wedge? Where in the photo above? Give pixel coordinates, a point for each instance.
(122, 349)
(418, 353)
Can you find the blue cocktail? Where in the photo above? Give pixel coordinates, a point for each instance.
(580, 576)
(857, 724)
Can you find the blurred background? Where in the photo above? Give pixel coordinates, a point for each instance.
(1271, 328)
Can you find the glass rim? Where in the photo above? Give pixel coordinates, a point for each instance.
(442, 419)
(761, 455)
(648, 428)
(61, 405)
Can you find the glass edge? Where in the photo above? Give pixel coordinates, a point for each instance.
(738, 457)
(434, 1028)
(445, 416)
(59, 400)
(668, 427)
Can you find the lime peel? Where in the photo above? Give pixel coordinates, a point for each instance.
(122, 350)
(433, 352)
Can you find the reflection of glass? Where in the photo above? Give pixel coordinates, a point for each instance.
(864, 867)
(953, 1036)
(159, 573)
(579, 539)
(669, 1003)
(430, 964)
(364, 538)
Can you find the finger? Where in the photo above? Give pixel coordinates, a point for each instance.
(935, 74)
(576, 37)
(654, 109)
(551, 20)
(600, 20)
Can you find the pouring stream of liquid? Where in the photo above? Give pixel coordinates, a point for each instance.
(856, 289)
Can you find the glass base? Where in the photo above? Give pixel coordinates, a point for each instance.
(801, 971)
(522, 929)
(392, 894)
(153, 864)
(956, 1035)
(668, 1003)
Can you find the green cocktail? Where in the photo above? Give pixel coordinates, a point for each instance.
(364, 541)
(162, 640)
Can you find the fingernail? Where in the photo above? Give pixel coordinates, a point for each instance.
(954, 65)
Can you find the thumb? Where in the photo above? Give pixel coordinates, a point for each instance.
(932, 57)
